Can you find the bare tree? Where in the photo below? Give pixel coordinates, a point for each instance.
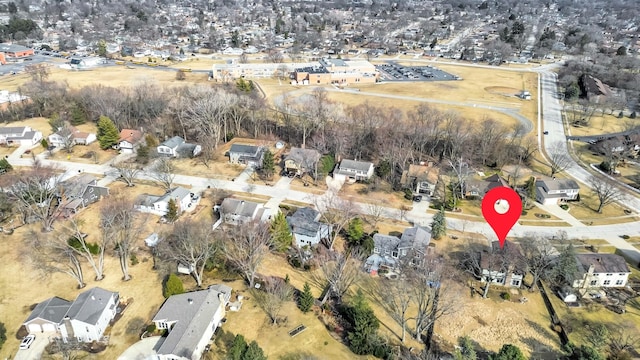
(245, 247)
(163, 171)
(35, 192)
(49, 255)
(396, 296)
(560, 159)
(76, 239)
(128, 171)
(375, 212)
(121, 224)
(65, 132)
(606, 190)
(462, 171)
(486, 264)
(190, 243)
(336, 212)
(538, 254)
(275, 292)
(340, 271)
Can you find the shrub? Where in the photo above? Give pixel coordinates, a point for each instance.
(173, 286)
(505, 296)
(151, 328)
(3, 334)
(564, 207)
(626, 237)
(134, 259)
(605, 166)
(306, 267)
(295, 262)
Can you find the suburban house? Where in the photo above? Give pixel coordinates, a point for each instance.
(159, 205)
(353, 170)
(306, 228)
(7, 98)
(19, 135)
(190, 320)
(478, 188)
(238, 212)
(85, 319)
(601, 270)
(422, 178)
(71, 136)
(177, 147)
(503, 266)
(593, 88)
(80, 191)
(302, 161)
(388, 249)
(129, 139)
(249, 155)
(552, 191)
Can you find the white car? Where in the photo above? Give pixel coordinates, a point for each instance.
(27, 341)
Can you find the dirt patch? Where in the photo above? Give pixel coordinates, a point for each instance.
(502, 90)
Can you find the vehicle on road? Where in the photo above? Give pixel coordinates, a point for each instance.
(27, 341)
(546, 133)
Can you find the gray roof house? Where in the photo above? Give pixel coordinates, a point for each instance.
(46, 316)
(601, 270)
(246, 155)
(301, 161)
(85, 319)
(389, 249)
(177, 147)
(80, 191)
(306, 228)
(159, 205)
(191, 319)
(20, 135)
(237, 212)
(353, 170)
(552, 191)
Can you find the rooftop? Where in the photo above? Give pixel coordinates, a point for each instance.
(602, 263)
(239, 207)
(52, 309)
(173, 143)
(244, 149)
(89, 305)
(355, 165)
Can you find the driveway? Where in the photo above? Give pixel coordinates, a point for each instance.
(35, 351)
(143, 349)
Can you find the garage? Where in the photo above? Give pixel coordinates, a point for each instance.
(48, 328)
(34, 328)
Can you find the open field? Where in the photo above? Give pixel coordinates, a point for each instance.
(360, 193)
(629, 172)
(603, 125)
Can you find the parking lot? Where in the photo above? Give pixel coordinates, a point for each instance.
(396, 72)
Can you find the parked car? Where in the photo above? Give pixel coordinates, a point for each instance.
(27, 341)
(546, 133)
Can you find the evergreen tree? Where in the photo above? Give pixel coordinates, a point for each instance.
(44, 143)
(355, 231)
(254, 352)
(108, 134)
(566, 268)
(102, 48)
(268, 164)
(172, 211)
(439, 225)
(466, 351)
(5, 166)
(173, 286)
(280, 233)
(581, 353)
(306, 299)
(509, 352)
(362, 338)
(237, 349)
(78, 115)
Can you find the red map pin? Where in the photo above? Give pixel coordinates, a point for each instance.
(501, 207)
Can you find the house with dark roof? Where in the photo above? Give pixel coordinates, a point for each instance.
(388, 250)
(421, 177)
(302, 161)
(249, 155)
(47, 315)
(80, 191)
(503, 266)
(552, 191)
(159, 205)
(190, 320)
(70, 136)
(178, 147)
(237, 212)
(85, 319)
(353, 170)
(306, 227)
(19, 135)
(601, 270)
(129, 139)
(478, 188)
(593, 88)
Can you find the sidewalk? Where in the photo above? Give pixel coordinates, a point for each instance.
(557, 211)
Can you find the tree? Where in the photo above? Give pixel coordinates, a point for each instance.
(466, 349)
(496, 260)
(78, 114)
(281, 236)
(622, 51)
(364, 325)
(509, 352)
(122, 224)
(238, 348)
(272, 296)
(5, 166)
(35, 193)
(102, 48)
(190, 244)
(173, 286)
(163, 171)
(49, 255)
(340, 271)
(245, 247)
(306, 300)
(76, 240)
(597, 335)
(538, 255)
(397, 297)
(560, 159)
(335, 211)
(128, 171)
(254, 352)
(268, 164)
(439, 225)
(66, 133)
(172, 211)
(355, 231)
(3, 334)
(108, 134)
(606, 190)
(566, 269)
(581, 353)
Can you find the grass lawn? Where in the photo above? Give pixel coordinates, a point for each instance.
(585, 209)
(603, 125)
(358, 193)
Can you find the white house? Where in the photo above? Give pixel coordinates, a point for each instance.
(306, 228)
(503, 266)
(353, 170)
(190, 319)
(129, 139)
(238, 212)
(601, 270)
(19, 135)
(552, 191)
(176, 146)
(159, 205)
(389, 249)
(85, 319)
(71, 136)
